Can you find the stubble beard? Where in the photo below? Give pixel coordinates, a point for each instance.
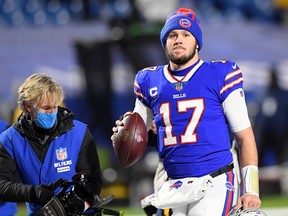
(181, 60)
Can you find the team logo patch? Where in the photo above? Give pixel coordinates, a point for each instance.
(61, 153)
(176, 185)
(229, 186)
(185, 23)
(179, 86)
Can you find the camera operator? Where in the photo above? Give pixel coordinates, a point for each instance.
(6, 208)
(44, 145)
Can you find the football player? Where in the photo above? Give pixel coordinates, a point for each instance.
(193, 104)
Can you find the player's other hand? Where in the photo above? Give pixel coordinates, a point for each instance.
(118, 123)
(248, 201)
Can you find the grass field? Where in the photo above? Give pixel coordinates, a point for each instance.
(274, 201)
(275, 205)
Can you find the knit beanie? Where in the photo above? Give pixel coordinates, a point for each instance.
(184, 19)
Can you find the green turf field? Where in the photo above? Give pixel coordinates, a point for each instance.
(274, 201)
(267, 202)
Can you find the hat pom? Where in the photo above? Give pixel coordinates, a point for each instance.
(186, 10)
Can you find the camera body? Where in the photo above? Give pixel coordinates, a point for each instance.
(72, 200)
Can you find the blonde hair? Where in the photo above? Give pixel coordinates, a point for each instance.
(38, 86)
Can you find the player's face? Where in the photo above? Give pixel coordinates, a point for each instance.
(181, 47)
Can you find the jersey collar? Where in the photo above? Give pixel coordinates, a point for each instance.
(173, 79)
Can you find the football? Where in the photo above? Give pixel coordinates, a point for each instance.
(131, 140)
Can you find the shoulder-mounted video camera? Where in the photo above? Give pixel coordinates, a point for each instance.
(72, 200)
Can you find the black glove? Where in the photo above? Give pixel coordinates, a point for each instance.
(150, 210)
(41, 194)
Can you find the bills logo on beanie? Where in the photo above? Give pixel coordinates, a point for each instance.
(183, 19)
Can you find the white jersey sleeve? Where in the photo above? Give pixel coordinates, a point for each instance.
(235, 110)
(145, 112)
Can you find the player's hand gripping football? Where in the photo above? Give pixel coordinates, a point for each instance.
(118, 123)
(129, 138)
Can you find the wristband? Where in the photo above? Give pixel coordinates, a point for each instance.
(250, 175)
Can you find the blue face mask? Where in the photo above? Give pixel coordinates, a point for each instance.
(46, 120)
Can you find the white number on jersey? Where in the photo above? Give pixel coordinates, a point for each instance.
(189, 135)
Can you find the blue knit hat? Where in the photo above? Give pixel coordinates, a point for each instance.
(184, 19)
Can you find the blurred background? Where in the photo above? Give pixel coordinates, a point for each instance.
(94, 48)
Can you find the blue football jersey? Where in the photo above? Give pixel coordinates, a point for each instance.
(193, 133)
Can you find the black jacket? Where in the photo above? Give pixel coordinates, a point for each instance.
(11, 188)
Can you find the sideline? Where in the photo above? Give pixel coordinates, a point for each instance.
(280, 211)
